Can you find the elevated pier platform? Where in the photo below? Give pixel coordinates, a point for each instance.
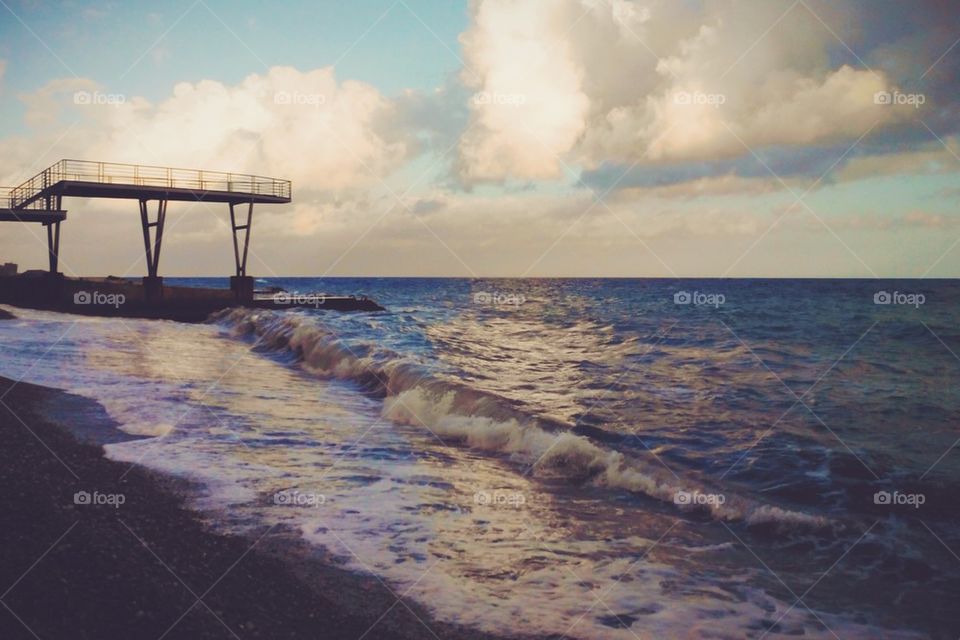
(89, 179)
(44, 217)
(39, 200)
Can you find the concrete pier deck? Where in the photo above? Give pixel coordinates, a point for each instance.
(125, 298)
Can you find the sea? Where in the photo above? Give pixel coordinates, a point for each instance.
(579, 458)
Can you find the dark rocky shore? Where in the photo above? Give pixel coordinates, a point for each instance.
(149, 568)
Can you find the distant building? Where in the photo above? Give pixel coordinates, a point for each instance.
(8, 269)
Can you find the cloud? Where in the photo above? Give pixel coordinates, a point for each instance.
(302, 125)
(335, 139)
(656, 101)
(529, 104)
(931, 158)
(916, 219)
(579, 82)
(709, 186)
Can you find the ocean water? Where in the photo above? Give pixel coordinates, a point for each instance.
(585, 458)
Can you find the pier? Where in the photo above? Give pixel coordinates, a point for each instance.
(39, 200)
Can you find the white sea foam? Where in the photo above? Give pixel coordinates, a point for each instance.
(479, 420)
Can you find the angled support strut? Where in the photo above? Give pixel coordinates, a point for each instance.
(241, 258)
(152, 246)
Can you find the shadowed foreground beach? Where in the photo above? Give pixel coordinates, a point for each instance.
(149, 568)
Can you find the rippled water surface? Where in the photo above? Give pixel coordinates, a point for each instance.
(579, 457)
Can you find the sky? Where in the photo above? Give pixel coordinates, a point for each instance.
(622, 138)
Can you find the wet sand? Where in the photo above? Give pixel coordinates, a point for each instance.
(150, 567)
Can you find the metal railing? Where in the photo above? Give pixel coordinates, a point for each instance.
(7, 201)
(146, 176)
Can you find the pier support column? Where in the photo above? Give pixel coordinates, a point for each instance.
(53, 234)
(152, 283)
(241, 284)
(53, 245)
(152, 287)
(242, 287)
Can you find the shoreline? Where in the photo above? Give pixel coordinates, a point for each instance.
(149, 566)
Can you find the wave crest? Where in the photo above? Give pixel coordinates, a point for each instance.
(414, 396)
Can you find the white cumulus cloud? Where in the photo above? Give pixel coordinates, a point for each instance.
(656, 81)
(302, 125)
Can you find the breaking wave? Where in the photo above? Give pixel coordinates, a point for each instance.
(415, 394)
